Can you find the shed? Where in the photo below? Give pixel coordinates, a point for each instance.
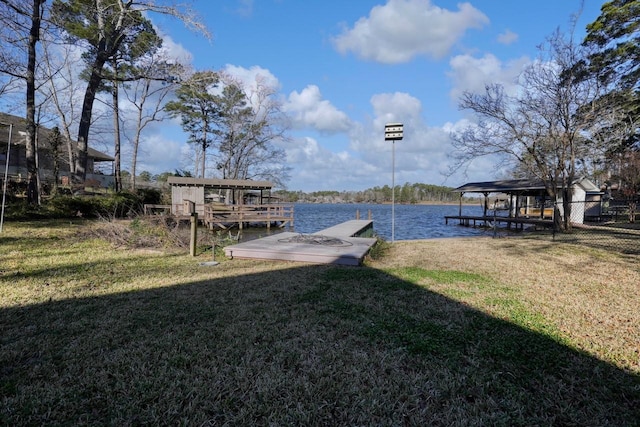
(202, 191)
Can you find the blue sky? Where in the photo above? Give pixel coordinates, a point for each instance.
(342, 69)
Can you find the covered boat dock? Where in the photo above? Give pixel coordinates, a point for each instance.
(225, 203)
(526, 202)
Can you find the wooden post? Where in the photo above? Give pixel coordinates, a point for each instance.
(194, 233)
(357, 213)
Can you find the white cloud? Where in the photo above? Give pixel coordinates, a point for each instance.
(473, 74)
(308, 109)
(317, 168)
(403, 29)
(158, 154)
(245, 8)
(508, 37)
(252, 77)
(175, 50)
(392, 107)
(421, 156)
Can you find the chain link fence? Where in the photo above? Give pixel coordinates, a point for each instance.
(605, 225)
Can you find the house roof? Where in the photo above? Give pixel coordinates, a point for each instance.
(522, 186)
(99, 156)
(19, 125)
(232, 184)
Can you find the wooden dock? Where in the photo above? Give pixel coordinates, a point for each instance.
(488, 221)
(335, 245)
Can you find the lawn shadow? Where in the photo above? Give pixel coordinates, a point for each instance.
(308, 345)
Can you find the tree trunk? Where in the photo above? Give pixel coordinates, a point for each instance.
(82, 159)
(116, 130)
(558, 224)
(32, 168)
(566, 207)
(136, 147)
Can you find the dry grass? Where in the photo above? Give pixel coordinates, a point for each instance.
(590, 296)
(442, 332)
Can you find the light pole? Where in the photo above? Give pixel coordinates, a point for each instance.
(393, 132)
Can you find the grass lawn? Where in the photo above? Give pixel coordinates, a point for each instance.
(501, 332)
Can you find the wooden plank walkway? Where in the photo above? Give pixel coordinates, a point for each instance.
(333, 245)
(353, 228)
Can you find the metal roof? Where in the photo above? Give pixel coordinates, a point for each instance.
(233, 184)
(522, 186)
(503, 186)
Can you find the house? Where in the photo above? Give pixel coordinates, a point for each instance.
(99, 168)
(528, 198)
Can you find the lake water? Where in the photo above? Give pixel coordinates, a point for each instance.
(411, 221)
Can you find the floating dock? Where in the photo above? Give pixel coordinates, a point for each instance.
(340, 244)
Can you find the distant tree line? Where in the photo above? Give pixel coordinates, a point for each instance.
(404, 194)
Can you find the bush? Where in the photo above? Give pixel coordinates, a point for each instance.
(117, 205)
(70, 206)
(149, 196)
(379, 249)
(19, 209)
(114, 205)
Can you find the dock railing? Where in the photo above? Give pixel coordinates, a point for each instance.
(224, 217)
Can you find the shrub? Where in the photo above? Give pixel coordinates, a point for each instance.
(70, 206)
(379, 249)
(149, 196)
(116, 205)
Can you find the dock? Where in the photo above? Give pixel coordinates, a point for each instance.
(487, 221)
(340, 244)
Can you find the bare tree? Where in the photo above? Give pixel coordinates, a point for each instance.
(251, 122)
(105, 26)
(546, 128)
(21, 22)
(63, 89)
(630, 177)
(7, 84)
(148, 96)
(117, 138)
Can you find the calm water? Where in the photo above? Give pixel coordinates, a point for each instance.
(411, 221)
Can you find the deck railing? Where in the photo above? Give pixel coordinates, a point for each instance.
(225, 216)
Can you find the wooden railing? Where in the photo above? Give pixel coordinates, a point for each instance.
(229, 215)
